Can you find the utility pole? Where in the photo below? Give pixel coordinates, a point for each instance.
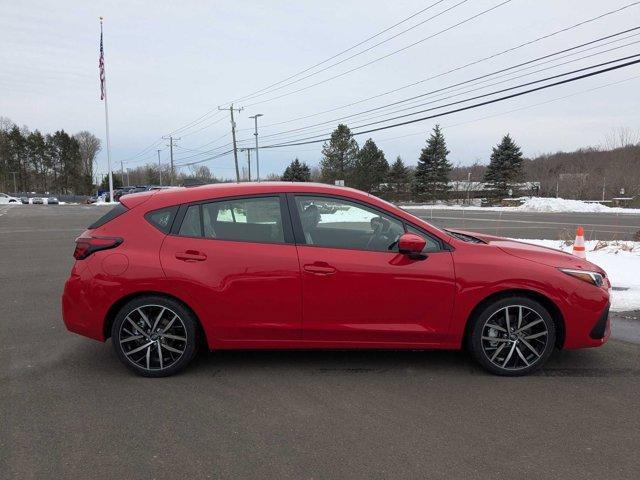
(468, 188)
(159, 168)
(248, 150)
(15, 185)
(122, 172)
(171, 140)
(233, 136)
(255, 118)
(604, 186)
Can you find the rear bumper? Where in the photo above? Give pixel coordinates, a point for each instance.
(77, 313)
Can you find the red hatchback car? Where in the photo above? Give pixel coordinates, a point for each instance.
(300, 266)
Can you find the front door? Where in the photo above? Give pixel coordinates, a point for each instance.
(357, 288)
(236, 258)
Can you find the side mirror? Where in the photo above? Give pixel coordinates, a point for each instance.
(411, 244)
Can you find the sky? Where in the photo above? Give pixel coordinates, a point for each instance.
(169, 64)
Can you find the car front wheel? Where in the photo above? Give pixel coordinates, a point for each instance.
(155, 336)
(513, 336)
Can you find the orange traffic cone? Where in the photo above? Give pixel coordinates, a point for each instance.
(578, 245)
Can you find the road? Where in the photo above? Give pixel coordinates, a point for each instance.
(597, 226)
(69, 409)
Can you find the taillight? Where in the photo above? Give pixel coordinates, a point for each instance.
(85, 246)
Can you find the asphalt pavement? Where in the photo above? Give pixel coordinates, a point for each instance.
(69, 409)
(533, 225)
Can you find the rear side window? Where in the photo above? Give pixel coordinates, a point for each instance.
(107, 217)
(257, 219)
(162, 219)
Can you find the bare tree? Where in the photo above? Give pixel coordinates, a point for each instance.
(621, 137)
(90, 146)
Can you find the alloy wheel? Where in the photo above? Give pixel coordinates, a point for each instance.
(514, 337)
(153, 337)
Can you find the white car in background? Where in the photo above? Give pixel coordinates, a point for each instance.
(4, 198)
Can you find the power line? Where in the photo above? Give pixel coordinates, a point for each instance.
(375, 60)
(204, 127)
(249, 97)
(307, 141)
(486, 78)
(481, 60)
(203, 117)
(507, 89)
(342, 52)
(457, 124)
(205, 159)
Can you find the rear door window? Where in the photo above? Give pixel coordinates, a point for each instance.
(257, 219)
(191, 224)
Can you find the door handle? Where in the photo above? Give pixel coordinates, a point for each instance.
(319, 268)
(191, 256)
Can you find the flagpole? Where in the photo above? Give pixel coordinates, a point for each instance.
(106, 120)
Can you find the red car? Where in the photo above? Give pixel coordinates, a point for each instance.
(301, 266)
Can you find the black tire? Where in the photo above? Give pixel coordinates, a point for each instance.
(165, 362)
(519, 343)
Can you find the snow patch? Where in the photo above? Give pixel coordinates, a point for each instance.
(536, 204)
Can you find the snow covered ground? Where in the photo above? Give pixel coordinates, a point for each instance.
(621, 261)
(536, 204)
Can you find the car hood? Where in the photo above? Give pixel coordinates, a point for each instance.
(535, 253)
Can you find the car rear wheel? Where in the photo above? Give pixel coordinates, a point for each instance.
(155, 336)
(513, 336)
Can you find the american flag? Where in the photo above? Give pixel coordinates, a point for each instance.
(101, 65)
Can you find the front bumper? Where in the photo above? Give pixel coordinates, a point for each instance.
(602, 329)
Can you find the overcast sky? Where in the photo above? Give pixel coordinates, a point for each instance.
(169, 63)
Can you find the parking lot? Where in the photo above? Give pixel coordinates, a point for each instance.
(71, 410)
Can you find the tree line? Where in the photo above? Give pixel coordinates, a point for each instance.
(366, 167)
(46, 162)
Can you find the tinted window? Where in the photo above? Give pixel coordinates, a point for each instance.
(338, 223)
(162, 219)
(245, 219)
(432, 244)
(191, 225)
(107, 217)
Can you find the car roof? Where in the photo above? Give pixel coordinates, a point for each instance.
(171, 196)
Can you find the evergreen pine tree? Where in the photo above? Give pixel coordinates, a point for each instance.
(297, 171)
(505, 167)
(432, 173)
(370, 169)
(398, 176)
(339, 155)
(117, 182)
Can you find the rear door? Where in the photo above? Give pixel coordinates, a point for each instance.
(236, 256)
(357, 288)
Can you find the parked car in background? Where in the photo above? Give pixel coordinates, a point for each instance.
(259, 266)
(37, 201)
(4, 198)
(52, 201)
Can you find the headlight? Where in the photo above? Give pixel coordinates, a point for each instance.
(594, 278)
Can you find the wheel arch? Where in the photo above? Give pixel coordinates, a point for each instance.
(115, 308)
(545, 301)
